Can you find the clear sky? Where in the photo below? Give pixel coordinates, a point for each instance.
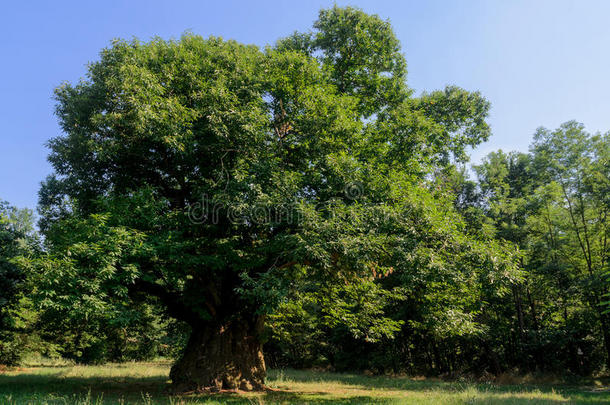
(540, 63)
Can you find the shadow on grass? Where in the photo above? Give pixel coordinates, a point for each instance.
(579, 392)
(60, 385)
(319, 388)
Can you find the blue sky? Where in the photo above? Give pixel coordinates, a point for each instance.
(540, 63)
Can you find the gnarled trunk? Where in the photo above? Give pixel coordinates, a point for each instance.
(226, 357)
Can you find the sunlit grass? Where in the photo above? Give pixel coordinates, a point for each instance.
(145, 383)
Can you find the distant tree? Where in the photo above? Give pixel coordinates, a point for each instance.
(552, 205)
(17, 241)
(572, 164)
(217, 179)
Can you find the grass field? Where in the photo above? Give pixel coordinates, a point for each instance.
(144, 383)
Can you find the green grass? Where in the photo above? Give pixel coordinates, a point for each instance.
(145, 383)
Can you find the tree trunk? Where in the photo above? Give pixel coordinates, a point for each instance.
(605, 334)
(519, 311)
(226, 357)
(538, 352)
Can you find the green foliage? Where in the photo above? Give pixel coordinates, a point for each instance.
(462, 116)
(548, 209)
(223, 183)
(17, 242)
(363, 56)
(81, 296)
(203, 184)
(549, 203)
(360, 54)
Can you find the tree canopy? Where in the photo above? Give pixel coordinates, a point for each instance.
(218, 180)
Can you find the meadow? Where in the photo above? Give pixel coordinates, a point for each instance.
(146, 383)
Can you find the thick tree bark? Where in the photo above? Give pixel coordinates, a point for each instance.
(224, 357)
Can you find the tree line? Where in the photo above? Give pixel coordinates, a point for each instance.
(388, 257)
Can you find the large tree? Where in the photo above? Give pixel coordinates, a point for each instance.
(213, 178)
